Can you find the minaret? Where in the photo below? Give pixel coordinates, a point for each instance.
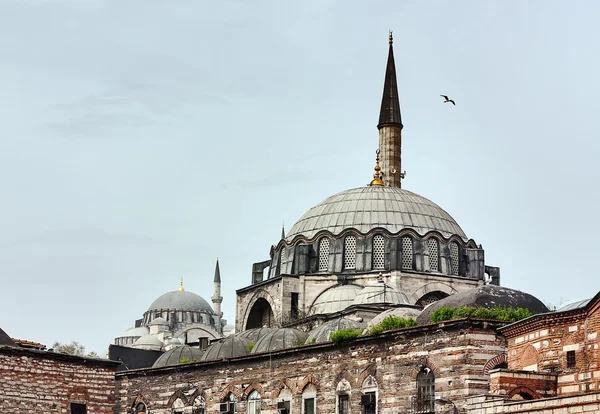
(390, 126)
(217, 299)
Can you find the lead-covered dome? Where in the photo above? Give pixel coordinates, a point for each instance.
(380, 293)
(335, 299)
(179, 355)
(181, 300)
(366, 208)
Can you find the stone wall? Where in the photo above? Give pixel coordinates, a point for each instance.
(456, 352)
(33, 381)
(587, 403)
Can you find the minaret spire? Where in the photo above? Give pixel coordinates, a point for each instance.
(217, 299)
(390, 125)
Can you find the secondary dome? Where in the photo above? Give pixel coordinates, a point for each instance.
(281, 338)
(486, 296)
(366, 208)
(322, 332)
(335, 299)
(179, 355)
(181, 300)
(230, 347)
(379, 292)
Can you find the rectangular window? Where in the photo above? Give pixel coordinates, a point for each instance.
(253, 406)
(309, 406)
(570, 359)
(78, 408)
(343, 404)
(294, 305)
(369, 403)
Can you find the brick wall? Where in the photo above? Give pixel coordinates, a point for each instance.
(587, 403)
(456, 351)
(34, 381)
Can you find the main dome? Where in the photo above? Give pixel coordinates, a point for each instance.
(181, 300)
(366, 208)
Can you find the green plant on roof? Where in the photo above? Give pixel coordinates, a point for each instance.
(184, 360)
(391, 322)
(502, 313)
(250, 347)
(344, 335)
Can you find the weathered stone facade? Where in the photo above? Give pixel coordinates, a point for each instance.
(33, 381)
(456, 352)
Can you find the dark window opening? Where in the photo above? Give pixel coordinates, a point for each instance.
(369, 403)
(309, 406)
(425, 400)
(294, 305)
(570, 359)
(343, 404)
(78, 408)
(140, 408)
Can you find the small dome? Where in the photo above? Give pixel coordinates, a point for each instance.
(148, 342)
(366, 208)
(335, 299)
(229, 347)
(281, 338)
(322, 332)
(406, 313)
(181, 300)
(158, 321)
(179, 355)
(380, 292)
(134, 332)
(253, 335)
(486, 296)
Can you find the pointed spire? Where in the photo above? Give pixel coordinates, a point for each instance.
(390, 105)
(377, 176)
(283, 230)
(217, 273)
(181, 289)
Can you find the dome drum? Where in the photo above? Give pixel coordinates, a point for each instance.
(378, 250)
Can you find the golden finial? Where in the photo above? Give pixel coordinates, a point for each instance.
(391, 37)
(181, 289)
(377, 176)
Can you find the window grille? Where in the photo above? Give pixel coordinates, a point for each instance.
(434, 259)
(425, 399)
(323, 254)
(570, 359)
(454, 258)
(350, 252)
(378, 252)
(343, 404)
(407, 252)
(281, 258)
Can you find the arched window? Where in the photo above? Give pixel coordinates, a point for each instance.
(309, 399)
(282, 257)
(378, 252)
(140, 408)
(343, 397)
(284, 402)
(350, 252)
(368, 399)
(254, 402)
(178, 406)
(407, 253)
(434, 254)
(454, 258)
(228, 404)
(199, 405)
(323, 254)
(425, 401)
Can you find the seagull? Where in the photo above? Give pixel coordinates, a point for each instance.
(447, 99)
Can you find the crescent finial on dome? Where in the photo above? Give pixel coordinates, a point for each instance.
(377, 176)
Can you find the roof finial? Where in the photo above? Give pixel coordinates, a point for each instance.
(377, 176)
(181, 289)
(391, 37)
(283, 230)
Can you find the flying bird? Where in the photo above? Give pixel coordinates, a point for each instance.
(447, 99)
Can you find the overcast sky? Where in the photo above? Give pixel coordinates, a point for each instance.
(142, 139)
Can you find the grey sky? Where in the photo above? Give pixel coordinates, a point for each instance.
(141, 139)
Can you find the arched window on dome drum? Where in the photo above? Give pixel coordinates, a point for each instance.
(323, 254)
(454, 258)
(407, 253)
(280, 267)
(434, 254)
(378, 252)
(350, 252)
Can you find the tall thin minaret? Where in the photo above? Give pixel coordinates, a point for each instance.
(217, 299)
(390, 126)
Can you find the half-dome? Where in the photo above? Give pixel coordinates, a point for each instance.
(322, 332)
(366, 208)
(487, 296)
(179, 355)
(380, 293)
(229, 347)
(335, 299)
(282, 338)
(181, 300)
